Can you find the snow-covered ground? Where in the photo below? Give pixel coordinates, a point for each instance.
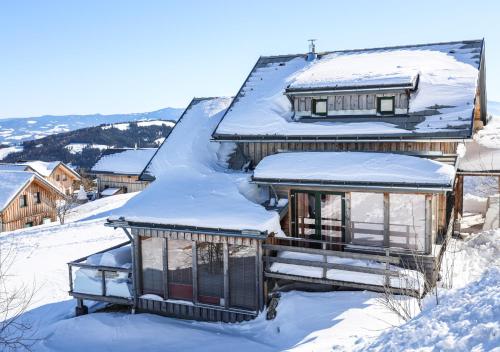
(342, 321)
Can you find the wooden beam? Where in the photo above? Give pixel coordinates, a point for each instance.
(387, 220)
(326, 265)
(381, 258)
(428, 223)
(195, 271)
(225, 250)
(165, 267)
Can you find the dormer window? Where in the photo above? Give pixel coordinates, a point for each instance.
(385, 105)
(319, 107)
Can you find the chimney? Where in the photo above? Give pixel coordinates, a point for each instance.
(311, 55)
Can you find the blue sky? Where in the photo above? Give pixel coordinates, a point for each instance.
(110, 56)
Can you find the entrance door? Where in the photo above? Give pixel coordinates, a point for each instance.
(318, 215)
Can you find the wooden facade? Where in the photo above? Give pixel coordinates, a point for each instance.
(15, 216)
(64, 178)
(129, 183)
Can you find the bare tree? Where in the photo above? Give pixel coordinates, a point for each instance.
(62, 205)
(16, 333)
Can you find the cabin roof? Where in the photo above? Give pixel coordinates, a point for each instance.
(12, 182)
(354, 168)
(441, 107)
(128, 162)
(193, 187)
(43, 168)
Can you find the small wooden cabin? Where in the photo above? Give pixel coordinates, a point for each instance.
(120, 171)
(333, 169)
(56, 172)
(26, 200)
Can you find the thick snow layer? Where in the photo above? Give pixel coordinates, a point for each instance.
(128, 162)
(354, 166)
(492, 217)
(192, 188)
(43, 168)
(11, 182)
(110, 191)
(483, 153)
(448, 77)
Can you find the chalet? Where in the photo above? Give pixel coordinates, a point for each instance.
(119, 172)
(26, 199)
(56, 172)
(326, 170)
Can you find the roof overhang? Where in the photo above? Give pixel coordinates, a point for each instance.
(357, 186)
(244, 233)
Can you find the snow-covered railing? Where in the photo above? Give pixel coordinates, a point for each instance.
(103, 276)
(312, 262)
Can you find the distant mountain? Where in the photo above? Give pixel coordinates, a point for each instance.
(84, 146)
(16, 130)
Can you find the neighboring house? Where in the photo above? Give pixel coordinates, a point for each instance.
(326, 170)
(26, 200)
(56, 172)
(119, 172)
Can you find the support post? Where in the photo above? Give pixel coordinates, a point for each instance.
(428, 223)
(347, 212)
(165, 268)
(103, 282)
(81, 309)
(387, 219)
(70, 270)
(195, 271)
(225, 250)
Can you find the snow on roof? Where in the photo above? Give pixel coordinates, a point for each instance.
(11, 182)
(193, 187)
(483, 153)
(128, 162)
(110, 191)
(448, 75)
(346, 167)
(12, 167)
(44, 168)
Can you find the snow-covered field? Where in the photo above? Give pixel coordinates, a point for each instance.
(466, 319)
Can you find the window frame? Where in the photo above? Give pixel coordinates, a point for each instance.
(318, 215)
(313, 107)
(37, 197)
(23, 201)
(379, 105)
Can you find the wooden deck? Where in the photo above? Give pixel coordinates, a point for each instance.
(276, 247)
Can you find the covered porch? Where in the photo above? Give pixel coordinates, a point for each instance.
(395, 208)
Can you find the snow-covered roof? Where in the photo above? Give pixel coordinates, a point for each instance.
(11, 182)
(442, 106)
(193, 188)
(110, 191)
(483, 153)
(13, 167)
(128, 162)
(350, 168)
(43, 168)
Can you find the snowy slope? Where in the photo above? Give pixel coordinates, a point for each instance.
(16, 130)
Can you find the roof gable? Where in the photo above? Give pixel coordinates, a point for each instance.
(442, 106)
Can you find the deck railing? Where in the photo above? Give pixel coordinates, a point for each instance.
(274, 246)
(100, 282)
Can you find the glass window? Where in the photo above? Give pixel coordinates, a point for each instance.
(385, 105)
(37, 197)
(242, 277)
(320, 107)
(210, 273)
(407, 221)
(318, 215)
(23, 201)
(152, 265)
(367, 219)
(180, 269)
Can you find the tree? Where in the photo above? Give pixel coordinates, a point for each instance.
(62, 205)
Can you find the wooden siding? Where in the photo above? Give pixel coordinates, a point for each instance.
(350, 104)
(65, 185)
(14, 217)
(256, 151)
(130, 182)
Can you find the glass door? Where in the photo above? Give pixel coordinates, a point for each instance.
(318, 215)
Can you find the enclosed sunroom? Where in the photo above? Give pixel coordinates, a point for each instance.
(363, 202)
